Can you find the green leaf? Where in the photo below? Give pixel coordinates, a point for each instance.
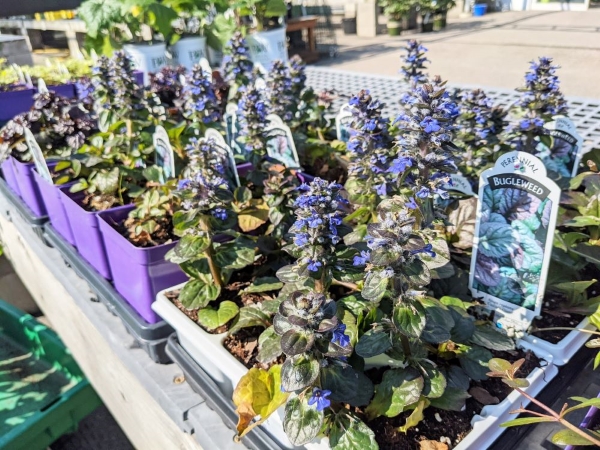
(346, 385)
(188, 247)
(398, 389)
(211, 318)
(251, 316)
(375, 285)
(355, 304)
(197, 294)
(415, 416)
(453, 399)
(99, 15)
(373, 343)
(295, 342)
(301, 422)
(487, 336)
(464, 325)
(348, 432)
(263, 284)
(474, 361)
(525, 421)
(235, 255)
(569, 437)
(269, 346)
(258, 393)
(583, 403)
(299, 372)
(435, 383)
(499, 365)
(410, 319)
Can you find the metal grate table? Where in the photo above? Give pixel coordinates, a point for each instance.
(585, 113)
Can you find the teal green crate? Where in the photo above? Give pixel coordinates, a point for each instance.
(43, 392)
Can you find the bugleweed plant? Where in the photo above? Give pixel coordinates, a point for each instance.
(541, 100)
(279, 91)
(370, 153)
(252, 112)
(425, 152)
(200, 103)
(167, 85)
(479, 133)
(237, 65)
(205, 197)
(414, 63)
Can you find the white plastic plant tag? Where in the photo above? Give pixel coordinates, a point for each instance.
(232, 132)
(280, 143)
(37, 155)
(41, 86)
(182, 80)
(564, 151)
(226, 152)
(164, 153)
(19, 73)
(460, 184)
(206, 66)
(514, 232)
(28, 80)
(261, 69)
(343, 122)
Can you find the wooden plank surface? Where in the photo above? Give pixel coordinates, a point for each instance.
(143, 420)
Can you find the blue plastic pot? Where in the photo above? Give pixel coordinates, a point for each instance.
(479, 10)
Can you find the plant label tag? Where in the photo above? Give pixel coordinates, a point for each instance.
(261, 69)
(164, 153)
(182, 80)
(459, 183)
(514, 233)
(225, 152)
(28, 80)
(38, 157)
(206, 66)
(343, 122)
(232, 132)
(41, 86)
(562, 150)
(280, 143)
(19, 73)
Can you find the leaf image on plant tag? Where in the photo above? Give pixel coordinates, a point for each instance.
(516, 217)
(280, 143)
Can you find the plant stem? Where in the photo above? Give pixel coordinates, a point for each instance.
(214, 270)
(559, 418)
(405, 345)
(352, 286)
(582, 330)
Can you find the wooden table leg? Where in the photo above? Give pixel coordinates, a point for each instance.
(311, 39)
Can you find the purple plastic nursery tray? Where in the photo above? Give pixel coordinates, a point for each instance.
(54, 207)
(28, 188)
(86, 231)
(15, 102)
(9, 175)
(137, 273)
(65, 90)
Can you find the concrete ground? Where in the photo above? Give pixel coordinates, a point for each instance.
(493, 50)
(99, 430)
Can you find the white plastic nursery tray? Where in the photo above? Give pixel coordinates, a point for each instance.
(566, 348)
(208, 351)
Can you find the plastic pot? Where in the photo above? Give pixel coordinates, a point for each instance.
(28, 188)
(138, 274)
(148, 58)
(8, 172)
(394, 27)
(349, 25)
(15, 102)
(207, 350)
(566, 348)
(86, 231)
(188, 52)
(65, 90)
(268, 46)
(215, 57)
(479, 9)
(54, 207)
(426, 23)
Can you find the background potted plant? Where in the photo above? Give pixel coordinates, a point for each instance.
(427, 10)
(139, 27)
(395, 11)
(188, 44)
(265, 21)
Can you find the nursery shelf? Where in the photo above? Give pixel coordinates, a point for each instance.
(151, 402)
(585, 113)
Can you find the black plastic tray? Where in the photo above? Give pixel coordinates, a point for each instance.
(151, 337)
(27, 214)
(200, 382)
